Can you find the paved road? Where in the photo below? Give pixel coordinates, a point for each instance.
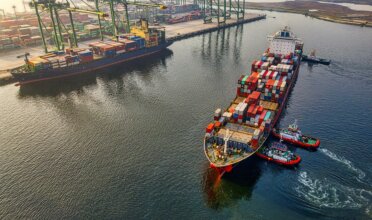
(197, 25)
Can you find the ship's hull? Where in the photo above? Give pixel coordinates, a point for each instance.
(51, 74)
(229, 167)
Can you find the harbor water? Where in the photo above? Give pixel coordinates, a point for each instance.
(126, 142)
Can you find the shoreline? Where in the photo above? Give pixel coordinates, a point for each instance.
(323, 11)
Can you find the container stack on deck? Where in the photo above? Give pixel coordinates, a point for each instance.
(76, 56)
(258, 98)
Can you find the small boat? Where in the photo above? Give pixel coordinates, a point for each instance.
(313, 59)
(278, 153)
(294, 136)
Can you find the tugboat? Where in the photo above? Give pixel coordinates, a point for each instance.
(294, 136)
(278, 153)
(313, 59)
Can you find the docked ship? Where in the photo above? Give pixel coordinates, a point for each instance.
(240, 130)
(140, 42)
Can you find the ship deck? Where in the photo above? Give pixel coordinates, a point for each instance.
(239, 132)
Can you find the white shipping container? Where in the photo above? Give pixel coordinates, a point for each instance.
(275, 74)
(217, 113)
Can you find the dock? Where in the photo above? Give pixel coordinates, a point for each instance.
(193, 28)
(6, 77)
(174, 32)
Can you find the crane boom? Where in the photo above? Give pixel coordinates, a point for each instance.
(99, 13)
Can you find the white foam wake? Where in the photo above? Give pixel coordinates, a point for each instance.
(344, 161)
(323, 193)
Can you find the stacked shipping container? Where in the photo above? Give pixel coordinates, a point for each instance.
(258, 97)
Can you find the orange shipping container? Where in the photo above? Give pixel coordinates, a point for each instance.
(209, 128)
(217, 124)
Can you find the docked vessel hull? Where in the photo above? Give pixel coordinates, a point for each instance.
(89, 67)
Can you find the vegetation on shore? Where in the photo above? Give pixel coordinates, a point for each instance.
(324, 11)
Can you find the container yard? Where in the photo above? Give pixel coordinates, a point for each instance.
(59, 27)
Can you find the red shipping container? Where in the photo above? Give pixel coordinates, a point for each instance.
(255, 95)
(209, 128)
(238, 92)
(250, 110)
(254, 143)
(271, 75)
(260, 109)
(255, 111)
(262, 117)
(254, 74)
(86, 59)
(279, 84)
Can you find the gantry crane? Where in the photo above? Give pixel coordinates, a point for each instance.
(211, 5)
(125, 3)
(53, 7)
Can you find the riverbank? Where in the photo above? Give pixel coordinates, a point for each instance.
(323, 11)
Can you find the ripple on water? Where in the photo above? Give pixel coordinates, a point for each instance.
(361, 174)
(323, 193)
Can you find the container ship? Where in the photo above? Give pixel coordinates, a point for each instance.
(140, 42)
(242, 128)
